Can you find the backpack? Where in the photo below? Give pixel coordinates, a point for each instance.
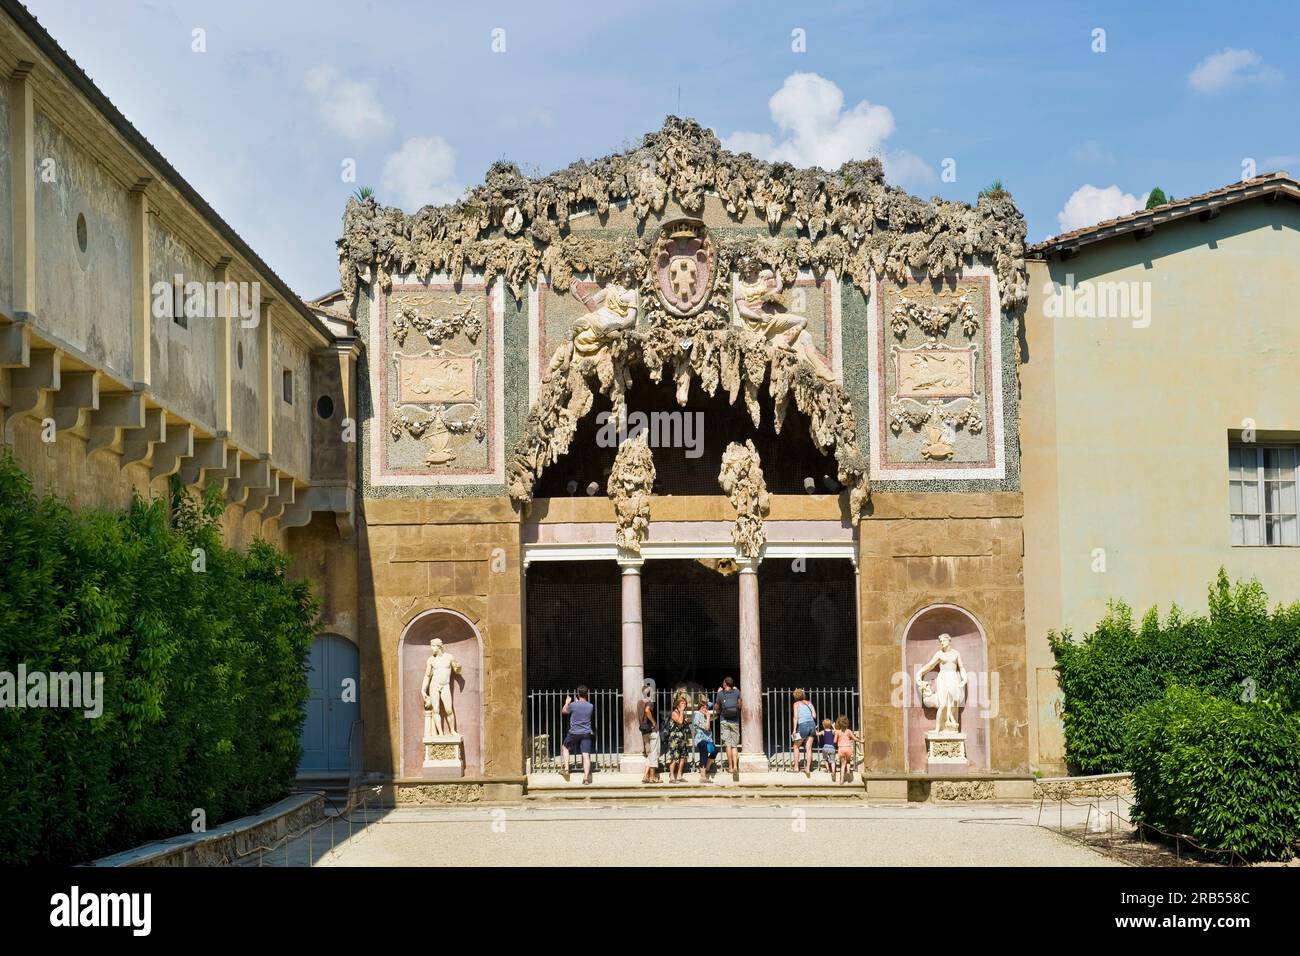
(729, 701)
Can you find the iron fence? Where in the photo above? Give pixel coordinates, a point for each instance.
(778, 719)
(547, 727)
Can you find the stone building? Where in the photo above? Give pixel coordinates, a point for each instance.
(141, 338)
(675, 414)
(822, 371)
(1160, 417)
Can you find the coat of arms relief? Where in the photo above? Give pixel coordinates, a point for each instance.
(684, 261)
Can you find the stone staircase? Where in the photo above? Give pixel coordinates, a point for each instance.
(543, 787)
(333, 785)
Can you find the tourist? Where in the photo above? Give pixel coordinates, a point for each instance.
(649, 734)
(828, 746)
(845, 739)
(805, 729)
(729, 705)
(704, 744)
(679, 740)
(580, 736)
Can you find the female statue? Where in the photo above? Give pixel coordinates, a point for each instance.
(949, 687)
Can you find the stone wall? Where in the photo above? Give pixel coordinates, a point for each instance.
(918, 551)
(462, 556)
(84, 296)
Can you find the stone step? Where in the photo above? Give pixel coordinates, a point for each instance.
(616, 786)
(652, 794)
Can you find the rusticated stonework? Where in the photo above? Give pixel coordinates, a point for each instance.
(432, 794)
(741, 479)
(629, 487)
(962, 790)
(683, 227)
(847, 222)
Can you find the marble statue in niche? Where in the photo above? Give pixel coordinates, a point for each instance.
(946, 743)
(439, 709)
(763, 309)
(947, 690)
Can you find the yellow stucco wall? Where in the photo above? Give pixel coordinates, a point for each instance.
(1125, 424)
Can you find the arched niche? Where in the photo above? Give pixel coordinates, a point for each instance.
(920, 641)
(461, 639)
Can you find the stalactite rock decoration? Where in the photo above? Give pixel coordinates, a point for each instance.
(741, 479)
(846, 223)
(629, 487)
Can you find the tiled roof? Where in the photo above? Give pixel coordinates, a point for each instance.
(1205, 205)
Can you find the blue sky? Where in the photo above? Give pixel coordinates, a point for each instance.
(262, 120)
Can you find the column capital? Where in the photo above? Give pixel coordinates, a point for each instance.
(748, 565)
(630, 562)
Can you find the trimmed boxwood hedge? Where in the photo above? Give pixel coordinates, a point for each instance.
(1225, 774)
(1239, 651)
(204, 672)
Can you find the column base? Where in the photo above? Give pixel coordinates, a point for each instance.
(632, 763)
(753, 763)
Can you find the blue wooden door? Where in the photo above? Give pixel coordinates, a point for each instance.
(332, 704)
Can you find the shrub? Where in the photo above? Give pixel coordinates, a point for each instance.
(1225, 774)
(204, 672)
(1240, 650)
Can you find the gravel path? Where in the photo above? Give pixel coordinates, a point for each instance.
(743, 834)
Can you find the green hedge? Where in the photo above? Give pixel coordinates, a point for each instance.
(204, 673)
(1238, 651)
(1225, 774)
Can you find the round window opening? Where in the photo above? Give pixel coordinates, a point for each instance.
(239, 354)
(81, 231)
(325, 406)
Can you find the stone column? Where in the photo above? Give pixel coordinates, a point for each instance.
(752, 755)
(632, 759)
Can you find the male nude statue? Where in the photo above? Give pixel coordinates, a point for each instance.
(439, 716)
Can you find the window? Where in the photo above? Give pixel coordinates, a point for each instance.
(286, 379)
(178, 304)
(1262, 494)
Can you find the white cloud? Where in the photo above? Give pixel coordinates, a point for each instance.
(1229, 67)
(347, 107)
(1089, 205)
(816, 130)
(422, 172)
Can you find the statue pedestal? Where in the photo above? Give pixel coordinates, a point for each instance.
(945, 747)
(444, 755)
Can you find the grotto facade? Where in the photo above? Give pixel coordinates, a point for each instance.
(676, 415)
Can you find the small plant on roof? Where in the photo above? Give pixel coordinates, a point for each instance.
(364, 193)
(994, 190)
